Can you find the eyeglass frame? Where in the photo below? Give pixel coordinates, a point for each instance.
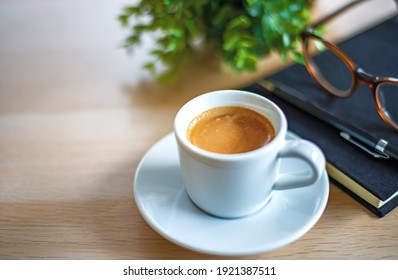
(358, 74)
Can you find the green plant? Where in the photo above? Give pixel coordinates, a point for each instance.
(240, 32)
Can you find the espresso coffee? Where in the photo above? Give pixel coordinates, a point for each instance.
(230, 130)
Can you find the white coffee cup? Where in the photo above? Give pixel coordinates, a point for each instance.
(236, 185)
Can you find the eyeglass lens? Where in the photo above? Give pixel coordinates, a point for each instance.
(387, 95)
(330, 70)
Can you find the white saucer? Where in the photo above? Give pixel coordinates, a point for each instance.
(161, 198)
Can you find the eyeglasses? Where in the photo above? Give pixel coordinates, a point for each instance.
(340, 76)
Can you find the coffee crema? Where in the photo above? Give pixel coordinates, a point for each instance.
(230, 130)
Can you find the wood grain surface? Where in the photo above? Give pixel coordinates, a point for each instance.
(77, 113)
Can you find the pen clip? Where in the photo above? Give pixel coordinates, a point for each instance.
(376, 154)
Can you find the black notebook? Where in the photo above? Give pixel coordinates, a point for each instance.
(373, 182)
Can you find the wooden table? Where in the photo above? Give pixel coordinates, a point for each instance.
(76, 116)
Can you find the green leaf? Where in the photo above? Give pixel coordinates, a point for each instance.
(150, 66)
(124, 20)
(132, 10)
(172, 46)
(132, 39)
(286, 40)
(298, 57)
(254, 7)
(168, 3)
(177, 32)
(239, 22)
(296, 7)
(231, 43)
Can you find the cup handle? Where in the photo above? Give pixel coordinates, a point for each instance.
(306, 151)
